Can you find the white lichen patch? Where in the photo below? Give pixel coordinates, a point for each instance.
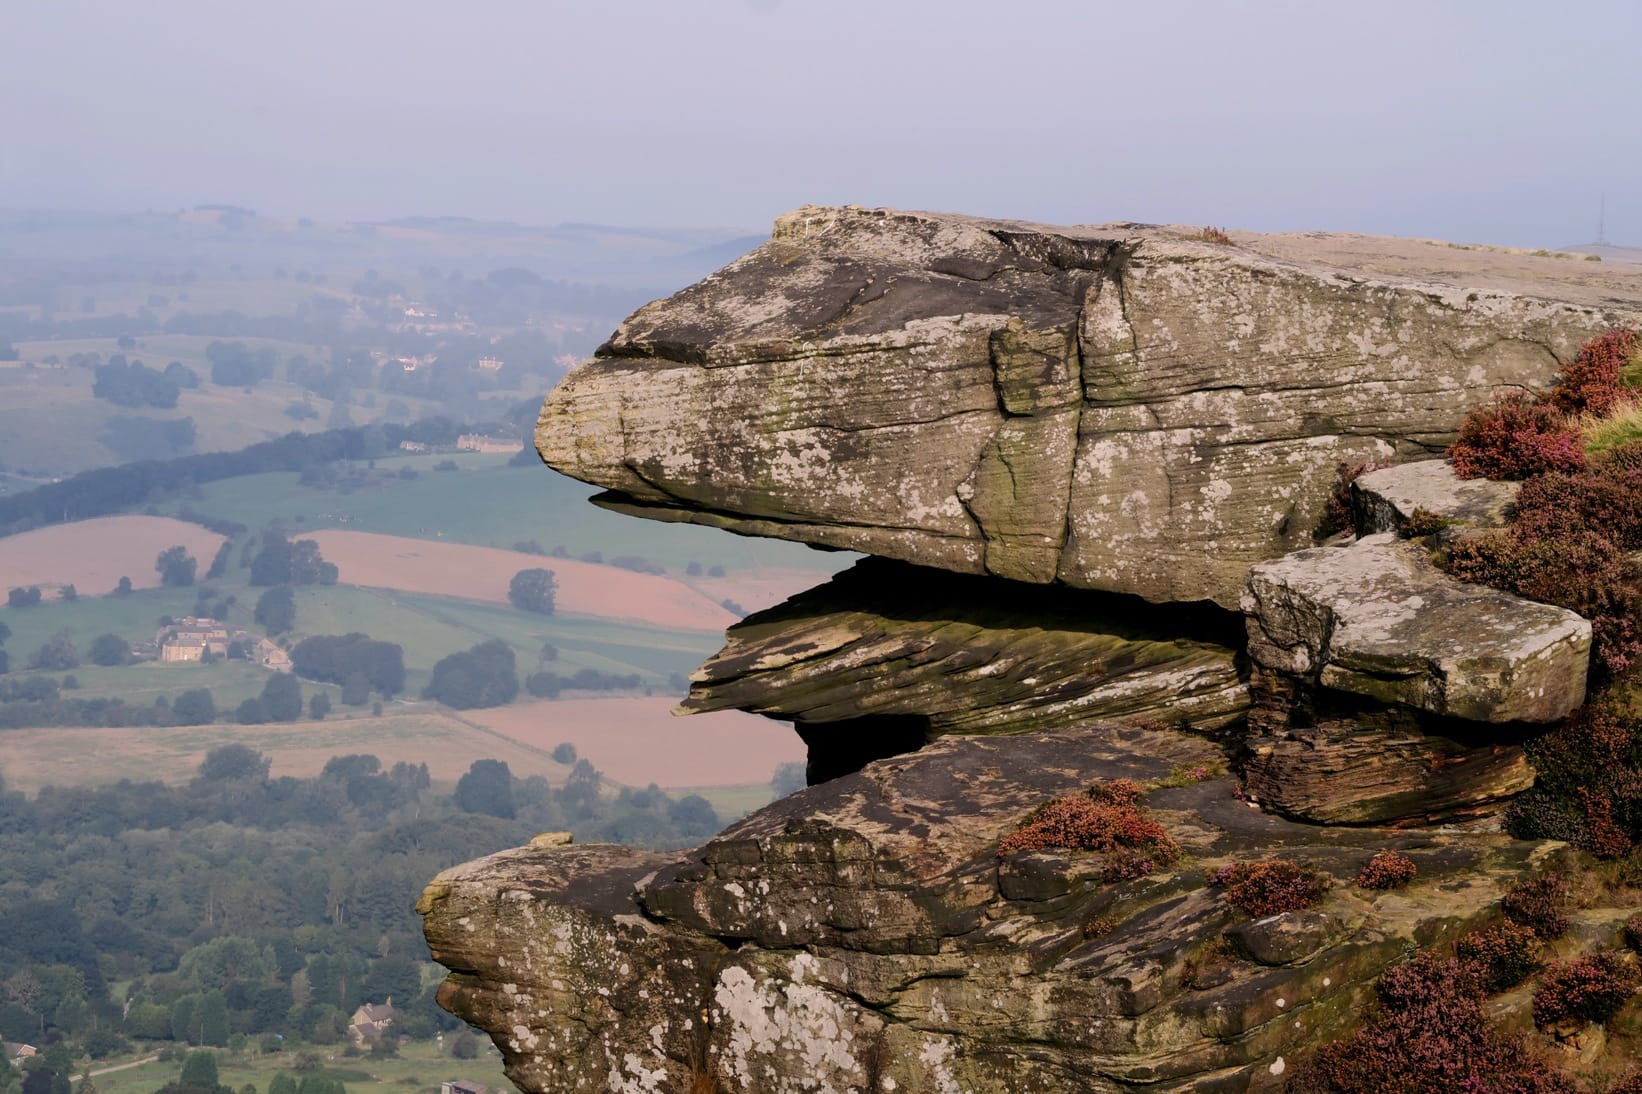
(780, 1037)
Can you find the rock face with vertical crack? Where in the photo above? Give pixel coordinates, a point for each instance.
(1118, 408)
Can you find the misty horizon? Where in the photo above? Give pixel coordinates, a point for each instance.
(1486, 123)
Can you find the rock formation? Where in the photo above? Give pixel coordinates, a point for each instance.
(1118, 407)
(1092, 460)
(863, 935)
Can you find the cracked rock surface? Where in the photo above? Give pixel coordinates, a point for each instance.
(1116, 407)
(863, 935)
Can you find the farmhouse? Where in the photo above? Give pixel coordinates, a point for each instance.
(462, 1086)
(191, 638)
(370, 1021)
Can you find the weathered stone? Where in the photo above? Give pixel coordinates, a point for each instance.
(860, 936)
(1378, 619)
(1286, 938)
(968, 654)
(1121, 408)
(1383, 500)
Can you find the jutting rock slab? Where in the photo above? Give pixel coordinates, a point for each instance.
(966, 654)
(1117, 407)
(864, 935)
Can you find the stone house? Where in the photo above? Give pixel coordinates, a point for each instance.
(370, 1021)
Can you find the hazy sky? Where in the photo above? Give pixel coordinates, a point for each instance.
(1495, 121)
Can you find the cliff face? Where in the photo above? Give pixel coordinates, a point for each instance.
(1045, 433)
(1116, 408)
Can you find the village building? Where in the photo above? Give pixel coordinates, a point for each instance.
(478, 442)
(491, 364)
(370, 1021)
(16, 1050)
(191, 638)
(462, 1086)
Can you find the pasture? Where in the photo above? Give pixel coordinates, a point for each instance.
(415, 733)
(50, 421)
(418, 1069)
(431, 627)
(490, 504)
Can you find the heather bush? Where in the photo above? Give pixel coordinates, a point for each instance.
(1630, 1083)
(1591, 989)
(1589, 789)
(1267, 888)
(1515, 437)
(1387, 870)
(1429, 1036)
(1633, 932)
(1540, 904)
(1107, 820)
(1595, 382)
(1506, 953)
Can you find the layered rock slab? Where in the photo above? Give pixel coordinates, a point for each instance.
(964, 654)
(1119, 407)
(864, 936)
(1378, 619)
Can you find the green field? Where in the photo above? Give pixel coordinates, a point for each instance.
(490, 504)
(430, 627)
(419, 1068)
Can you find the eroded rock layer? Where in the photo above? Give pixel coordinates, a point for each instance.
(863, 935)
(1119, 407)
(974, 655)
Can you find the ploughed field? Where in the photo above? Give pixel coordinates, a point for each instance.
(483, 573)
(92, 555)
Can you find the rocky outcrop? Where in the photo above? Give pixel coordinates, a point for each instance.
(1041, 430)
(864, 935)
(970, 655)
(1120, 407)
(1378, 619)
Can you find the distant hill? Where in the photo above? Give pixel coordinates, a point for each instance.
(1608, 252)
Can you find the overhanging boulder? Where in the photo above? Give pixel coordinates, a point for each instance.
(1121, 407)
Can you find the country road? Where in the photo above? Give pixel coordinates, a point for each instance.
(122, 1067)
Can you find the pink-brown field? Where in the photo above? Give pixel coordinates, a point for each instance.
(92, 555)
(483, 573)
(639, 741)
